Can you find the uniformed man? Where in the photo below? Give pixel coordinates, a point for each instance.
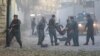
(68, 32)
(52, 30)
(90, 30)
(14, 31)
(74, 31)
(40, 29)
(33, 24)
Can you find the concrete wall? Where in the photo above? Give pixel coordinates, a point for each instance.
(2, 21)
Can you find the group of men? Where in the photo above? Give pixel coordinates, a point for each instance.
(71, 29)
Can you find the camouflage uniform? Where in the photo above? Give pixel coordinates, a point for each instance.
(33, 24)
(68, 26)
(74, 32)
(52, 31)
(90, 30)
(15, 32)
(40, 30)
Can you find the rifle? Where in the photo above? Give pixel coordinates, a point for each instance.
(11, 28)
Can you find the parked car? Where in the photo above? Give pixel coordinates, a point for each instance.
(82, 22)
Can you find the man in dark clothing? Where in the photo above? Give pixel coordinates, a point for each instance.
(76, 37)
(90, 30)
(74, 31)
(14, 31)
(33, 24)
(40, 30)
(68, 33)
(52, 30)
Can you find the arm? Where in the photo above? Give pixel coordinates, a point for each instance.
(86, 25)
(11, 25)
(17, 23)
(47, 27)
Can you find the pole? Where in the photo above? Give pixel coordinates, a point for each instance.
(7, 20)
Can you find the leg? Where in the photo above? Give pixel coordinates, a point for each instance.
(51, 38)
(39, 37)
(74, 40)
(33, 31)
(72, 35)
(69, 43)
(39, 40)
(18, 38)
(92, 38)
(42, 37)
(77, 39)
(69, 37)
(11, 35)
(68, 40)
(55, 38)
(87, 39)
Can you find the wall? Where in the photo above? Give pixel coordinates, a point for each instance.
(2, 15)
(2, 21)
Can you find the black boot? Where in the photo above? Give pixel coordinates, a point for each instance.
(52, 44)
(86, 44)
(44, 45)
(56, 44)
(7, 46)
(93, 43)
(66, 44)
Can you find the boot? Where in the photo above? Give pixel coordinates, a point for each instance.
(93, 43)
(56, 44)
(86, 44)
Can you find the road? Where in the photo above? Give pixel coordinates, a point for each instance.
(30, 42)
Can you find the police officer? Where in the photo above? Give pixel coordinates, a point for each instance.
(33, 24)
(68, 33)
(90, 30)
(74, 31)
(14, 31)
(40, 29)
(52, 30)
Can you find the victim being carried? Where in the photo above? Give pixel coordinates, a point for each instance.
(60, 31)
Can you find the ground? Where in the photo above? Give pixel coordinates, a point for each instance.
(30, 47)
(30, 42)
(34, 52)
